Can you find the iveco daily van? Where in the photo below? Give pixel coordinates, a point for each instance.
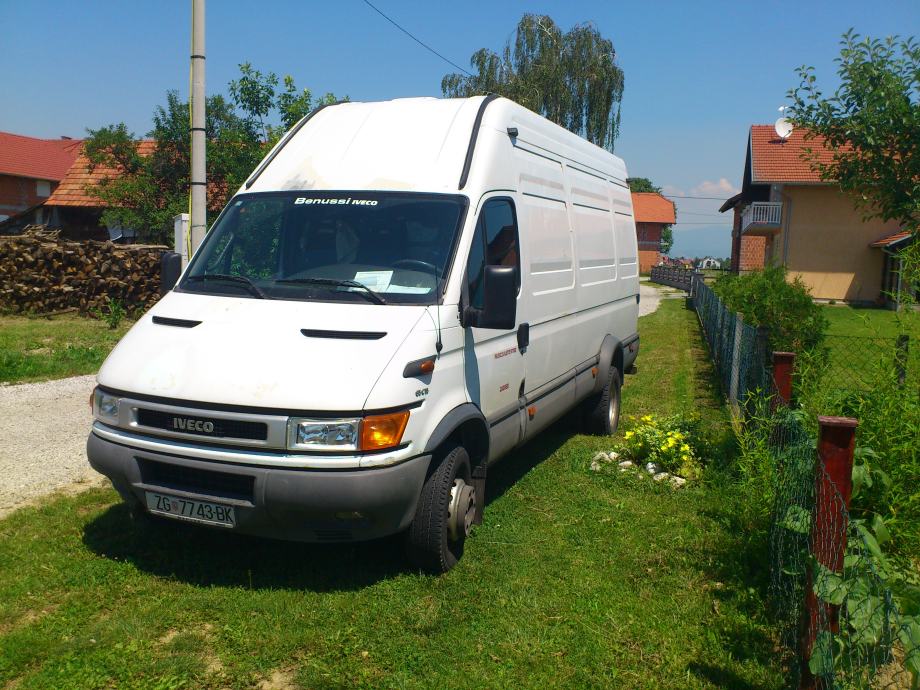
(400, 294)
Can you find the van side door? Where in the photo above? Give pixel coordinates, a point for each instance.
(493, 359)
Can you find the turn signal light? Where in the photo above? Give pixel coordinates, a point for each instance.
(383, 430)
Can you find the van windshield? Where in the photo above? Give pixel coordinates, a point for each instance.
(382, 248)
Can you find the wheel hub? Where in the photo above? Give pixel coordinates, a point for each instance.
(461, 510)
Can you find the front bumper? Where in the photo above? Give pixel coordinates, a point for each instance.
(283, 503)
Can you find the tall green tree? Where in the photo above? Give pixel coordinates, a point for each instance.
(150, 187)
(871, 123)
(570, 77)
(643, 184)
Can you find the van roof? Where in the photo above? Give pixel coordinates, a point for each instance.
(416, 144)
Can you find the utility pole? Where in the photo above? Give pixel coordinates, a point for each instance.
(198, 225)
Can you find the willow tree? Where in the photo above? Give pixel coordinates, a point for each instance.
(570, 77)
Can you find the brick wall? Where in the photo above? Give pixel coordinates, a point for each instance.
(19, 193)
(753, 252)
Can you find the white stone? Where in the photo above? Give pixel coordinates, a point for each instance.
(613, 455)
(595, 466)
(626, 464)
(601, 457)
(661, 476)
(652, 468)
(677, 482)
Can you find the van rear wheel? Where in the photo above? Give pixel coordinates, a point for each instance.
(602, 412)
(444, 516)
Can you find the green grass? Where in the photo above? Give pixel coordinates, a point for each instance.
(870, 322)
(576, 579)
(41, 348)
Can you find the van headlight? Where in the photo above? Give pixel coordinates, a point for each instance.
(374, 432)
(105, 406)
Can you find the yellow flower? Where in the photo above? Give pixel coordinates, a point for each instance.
(647, 418)
(630, 434)
(664, 446)
(671, 443)
(685, 448)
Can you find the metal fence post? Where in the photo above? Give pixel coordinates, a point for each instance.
(901, 352)
(783, 364)
(735, 371)
(828, 539)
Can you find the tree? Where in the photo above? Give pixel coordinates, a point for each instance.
(569, 77)
(871, 123)
(643, 184)
(148, 191)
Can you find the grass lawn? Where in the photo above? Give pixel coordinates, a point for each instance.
(861, 345)
(576, 579)
(37, 348)
(869, 322)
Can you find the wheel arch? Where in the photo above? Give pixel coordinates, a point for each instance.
(611, 354)
(466, 425)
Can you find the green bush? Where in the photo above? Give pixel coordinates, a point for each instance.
(766, 298)
(673, 443)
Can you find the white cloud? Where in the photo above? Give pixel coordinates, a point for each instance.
(722, 188)
(671, 190)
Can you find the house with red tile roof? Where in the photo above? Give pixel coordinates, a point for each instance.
(652, 212)
(74, 208)
(30, 170)
(787, 215)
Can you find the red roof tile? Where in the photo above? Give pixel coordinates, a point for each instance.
(72, 190)
(651, 207)
(41, 159)
(777, 160)
(891, 239)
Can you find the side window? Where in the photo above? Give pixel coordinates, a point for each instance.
(495, 243)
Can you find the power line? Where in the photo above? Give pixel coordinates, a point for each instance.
(713, 225)
(671, 196)
(421, 43)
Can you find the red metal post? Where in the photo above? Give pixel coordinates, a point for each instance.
(828, 540)
(783, 363)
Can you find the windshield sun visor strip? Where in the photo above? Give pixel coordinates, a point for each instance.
(468, 161)
(290, 135)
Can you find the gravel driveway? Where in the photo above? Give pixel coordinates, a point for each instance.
(43, 429)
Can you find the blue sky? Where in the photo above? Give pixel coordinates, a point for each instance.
(697, 74)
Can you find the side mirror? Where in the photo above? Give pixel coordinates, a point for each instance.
(499, 309)
(170, 268)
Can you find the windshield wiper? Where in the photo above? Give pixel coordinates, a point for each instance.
(251, 287)
(333, 282)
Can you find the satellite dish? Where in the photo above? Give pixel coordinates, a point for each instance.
(783, 128)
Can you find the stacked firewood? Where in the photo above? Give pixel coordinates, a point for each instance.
(40, 273)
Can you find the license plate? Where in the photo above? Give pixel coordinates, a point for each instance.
(189, 509)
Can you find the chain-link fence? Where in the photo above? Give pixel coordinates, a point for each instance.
(833, 593)
(858, 363)
(739, 350)
(841, 625)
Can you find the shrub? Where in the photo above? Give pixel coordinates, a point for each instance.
(785, 308)
(672, 443)
(113, 314)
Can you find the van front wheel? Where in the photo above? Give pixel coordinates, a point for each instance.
(444, 515)
(602, 412)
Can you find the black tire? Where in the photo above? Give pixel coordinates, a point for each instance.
(428, 542)
(602, 412)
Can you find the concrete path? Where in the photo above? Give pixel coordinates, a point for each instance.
(651, 294)
(43, 430)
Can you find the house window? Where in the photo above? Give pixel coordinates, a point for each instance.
(42, 188)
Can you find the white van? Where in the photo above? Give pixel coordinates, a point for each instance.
(400, 294)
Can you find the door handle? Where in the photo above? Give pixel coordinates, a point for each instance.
(523, 337)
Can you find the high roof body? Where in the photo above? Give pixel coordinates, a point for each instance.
(41, 159)
(417, 144)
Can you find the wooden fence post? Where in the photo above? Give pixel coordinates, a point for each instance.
(783, 364)
(828, 539)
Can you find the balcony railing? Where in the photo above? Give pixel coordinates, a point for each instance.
(762, 216)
